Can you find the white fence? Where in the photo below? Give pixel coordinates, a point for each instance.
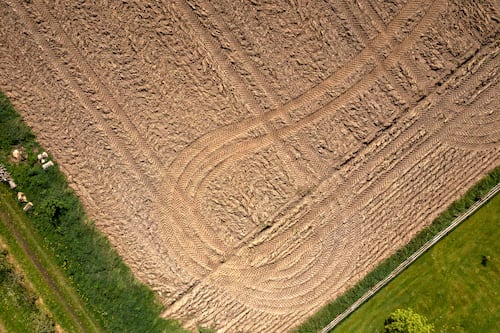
(411, 259)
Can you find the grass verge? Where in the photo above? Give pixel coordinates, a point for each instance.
(323, 317)
(106, 286)
(451, 284)
(40, 268)
(20, 308)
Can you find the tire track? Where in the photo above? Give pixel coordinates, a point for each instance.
(133, 133)
(240, 56)
(279, 298)
(316, 265)
(205, 145)
(359, 31)
(430, 146)
(238, 150)
(463, 134)
(99, 87)
(227, 71)
(118, 146)
(416, 72)
(254, 143)
(259, 142)
(239, 53)
(403, 162)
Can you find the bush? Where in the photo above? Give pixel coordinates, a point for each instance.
(407, 321)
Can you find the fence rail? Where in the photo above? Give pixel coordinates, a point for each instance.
(411, 259)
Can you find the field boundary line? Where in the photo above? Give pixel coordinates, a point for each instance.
(64, 291)
(457, 221)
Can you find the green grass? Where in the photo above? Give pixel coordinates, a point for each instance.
(19, 310)
(326, 314)
(108, 290)
(448, 284)
(16, 228)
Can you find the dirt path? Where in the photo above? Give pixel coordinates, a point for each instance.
(60, 292)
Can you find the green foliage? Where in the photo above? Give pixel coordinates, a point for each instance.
(14, 132)
(321, 318)
(104, 282)
(18, 309)
(448, 284)
(52, 210)
(407, 321)
(17, 232)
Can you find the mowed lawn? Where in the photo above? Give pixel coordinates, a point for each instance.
(448, 284)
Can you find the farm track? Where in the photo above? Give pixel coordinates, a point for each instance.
(64, 294)
(287, 131)
(368, 192)
(226, 134)
(115, 140)
(251, 223)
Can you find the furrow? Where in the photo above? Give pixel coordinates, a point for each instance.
(287, 131)
(214, 140)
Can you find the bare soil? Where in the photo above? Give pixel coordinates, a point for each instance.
(251, 160)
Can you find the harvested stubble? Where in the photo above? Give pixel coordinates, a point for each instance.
(251, 161)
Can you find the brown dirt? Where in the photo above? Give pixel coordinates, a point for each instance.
(251, 160)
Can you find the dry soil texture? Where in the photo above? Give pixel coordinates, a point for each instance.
(250, 160)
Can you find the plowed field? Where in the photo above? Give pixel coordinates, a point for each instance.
(251, 160)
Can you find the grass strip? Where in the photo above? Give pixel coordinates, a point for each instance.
(455, 284)
(108, 289)
(20, 308)
(41, 269)
(323, 317)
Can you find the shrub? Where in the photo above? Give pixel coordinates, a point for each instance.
(407, 321)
